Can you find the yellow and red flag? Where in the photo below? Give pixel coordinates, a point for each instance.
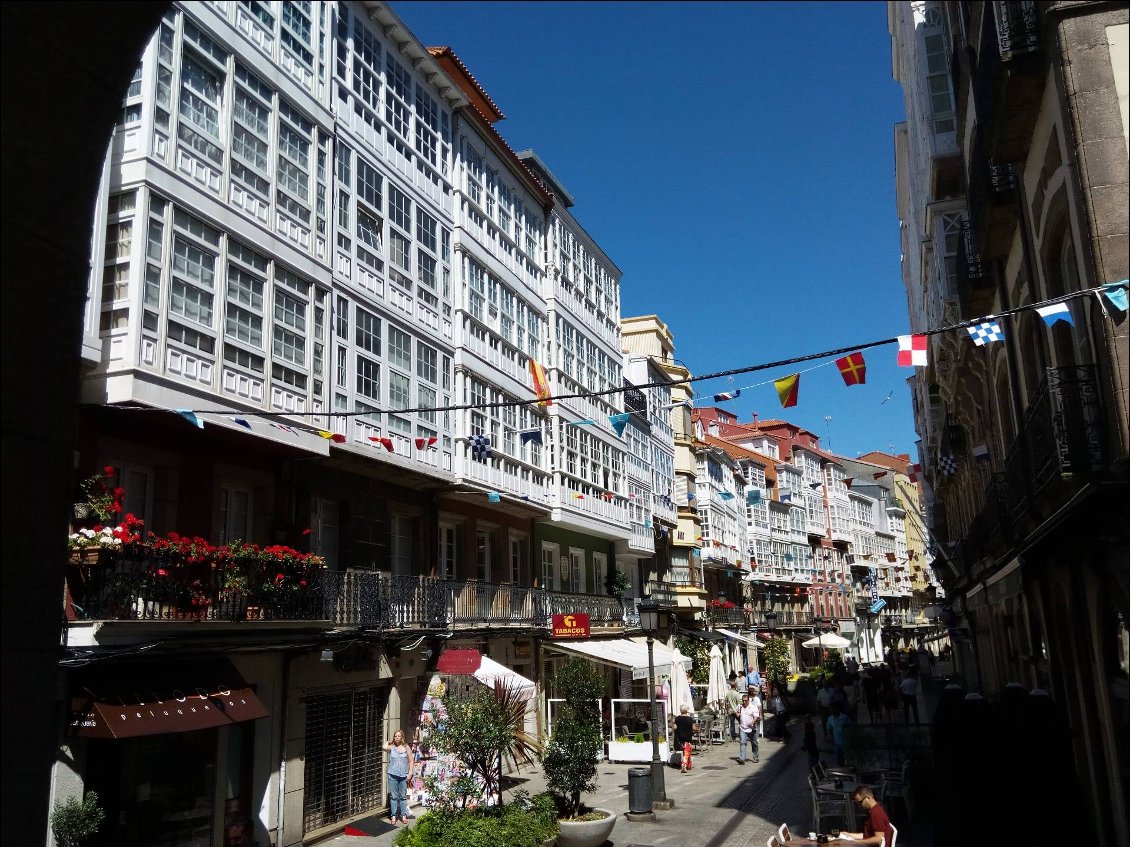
(541, 383)
(787, 389)
(853, 369)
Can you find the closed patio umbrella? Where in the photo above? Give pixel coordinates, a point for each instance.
(716, 689)
(680, 684)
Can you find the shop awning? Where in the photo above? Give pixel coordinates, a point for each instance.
(491, 671)
(148, 698)
(741, 639)
(621, 653)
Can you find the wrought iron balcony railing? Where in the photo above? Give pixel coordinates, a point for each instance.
(1060, 438)
(124, 588)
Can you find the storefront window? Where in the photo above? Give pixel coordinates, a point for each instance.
(159, 789)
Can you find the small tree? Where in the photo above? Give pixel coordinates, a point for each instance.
(481, 727)
(570, 756)
(776, 653)
(696, 650)
(74, 821)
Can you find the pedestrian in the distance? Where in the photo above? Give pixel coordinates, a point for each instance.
(749, 715)
(401, 766)
(837, 721)
(733, 700)
(909, 690)
(809, 743)
(780, 717)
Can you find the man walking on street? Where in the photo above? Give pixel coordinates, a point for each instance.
(749, 716)
(909, 690)
(733, 701)
(753, 680)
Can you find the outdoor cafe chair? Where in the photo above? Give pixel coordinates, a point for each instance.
(826, 806)
(891, 785)
(783, 833)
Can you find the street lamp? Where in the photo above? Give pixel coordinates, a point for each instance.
(649, 623)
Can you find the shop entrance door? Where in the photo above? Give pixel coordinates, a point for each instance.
(344, 760)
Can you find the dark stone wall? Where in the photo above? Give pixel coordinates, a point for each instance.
(65, 67)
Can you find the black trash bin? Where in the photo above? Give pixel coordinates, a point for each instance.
(639, 790)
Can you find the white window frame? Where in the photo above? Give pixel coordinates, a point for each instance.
(549, 556)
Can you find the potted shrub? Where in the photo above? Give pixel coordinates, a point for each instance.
(570, 755)
(76, 820)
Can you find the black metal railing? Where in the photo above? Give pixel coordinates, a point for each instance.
(121, 587)
(1060, 438)
(993, 524)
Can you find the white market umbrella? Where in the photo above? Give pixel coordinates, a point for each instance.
(680, 685)
(827, 641)
(717, 687)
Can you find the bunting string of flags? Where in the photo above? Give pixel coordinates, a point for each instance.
(913, 351)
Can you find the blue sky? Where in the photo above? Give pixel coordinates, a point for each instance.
(735, 160)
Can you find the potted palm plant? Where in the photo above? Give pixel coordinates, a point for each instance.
(570, 755)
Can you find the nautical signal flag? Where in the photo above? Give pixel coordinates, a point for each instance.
(915, 472)
(985, 332)
(1058, 312)
(425, 443)
(981, 454)
(912, 351)
(528, 435)
(541, 383)
(1115, 293)
(727, 395)
(335, 437)
(853, 369)
(788, 388)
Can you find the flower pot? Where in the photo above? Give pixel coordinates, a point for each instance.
(86, 555)
(586, 833)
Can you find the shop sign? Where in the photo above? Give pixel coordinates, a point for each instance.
(570, 626)
(522, 650)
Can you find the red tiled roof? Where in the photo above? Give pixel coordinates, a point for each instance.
(480, 100)
(448, 53)
(886, 460)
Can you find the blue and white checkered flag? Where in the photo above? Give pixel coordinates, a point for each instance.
(480, 446)
(986, 333)
(947, 465)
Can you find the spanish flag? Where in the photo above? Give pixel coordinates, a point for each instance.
(787, 389)
(541, 383)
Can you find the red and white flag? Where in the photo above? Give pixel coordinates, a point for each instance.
(912, 351)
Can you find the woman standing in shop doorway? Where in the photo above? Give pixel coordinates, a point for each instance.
(401, 765)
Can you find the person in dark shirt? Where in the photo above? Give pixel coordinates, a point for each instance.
(684, 735)
(876, 824)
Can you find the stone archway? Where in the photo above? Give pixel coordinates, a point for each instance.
(65, 66)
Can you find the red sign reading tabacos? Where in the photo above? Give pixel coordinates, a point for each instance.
(570, 626)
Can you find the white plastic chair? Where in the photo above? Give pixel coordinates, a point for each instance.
(773, 842)
(783, 833)
(894, 836)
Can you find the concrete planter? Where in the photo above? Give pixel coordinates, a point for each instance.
(586, 833)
